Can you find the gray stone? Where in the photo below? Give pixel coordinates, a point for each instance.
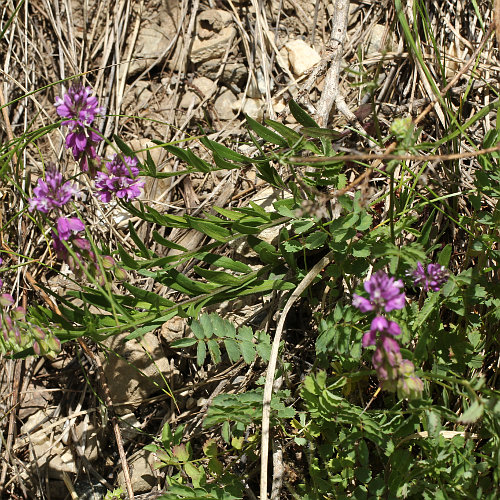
(134, 370)
(141, 472)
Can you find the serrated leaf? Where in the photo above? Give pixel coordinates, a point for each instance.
(194, 473)
(180, 452)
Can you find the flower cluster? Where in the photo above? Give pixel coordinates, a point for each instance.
(394, 372)
(18, 334)
(81, 108)
(120, 179)
(431, 278)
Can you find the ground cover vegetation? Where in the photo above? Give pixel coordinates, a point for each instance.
(267, 303)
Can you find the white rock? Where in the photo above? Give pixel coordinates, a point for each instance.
(155, 34)
(223, 105)
(301, 56)
(47, 448)
(252, 107)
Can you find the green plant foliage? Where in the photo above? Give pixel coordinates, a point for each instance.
(211, 330)
(352, 433)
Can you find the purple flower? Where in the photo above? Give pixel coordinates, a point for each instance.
(386, 359)
(120, 179)
(52, 192)
(66, 226)
(385, 294)
(82, 141)
(380, 324)
(79, 106)
(432, 278)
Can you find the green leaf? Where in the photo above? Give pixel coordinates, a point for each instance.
(265, 133)
(321, 133)
(126, 259)
(197, 329)
(301, 115)
(201, 353)
(248, 351)
(224, 262)
(225, 152)
(124, 148)
(232, 349)
(316, 240)
(185, 342)
(220, 277)
(473, 413)
(212, 230)
(445, 255)
(214, 350)
(167, 243)
(166, 435)
(189, 157)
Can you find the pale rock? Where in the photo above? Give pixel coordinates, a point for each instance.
(157, 30)
(381, 40)
(302, 57)
(134, 370)
(223, 105)
(204, 85)
(252, 107)
(212, 21)
(141, 472)
(189, 99)
(278, 105)
(173, 329)
(212, 48)
(48, 450)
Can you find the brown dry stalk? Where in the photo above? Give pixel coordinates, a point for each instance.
(387, 156)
